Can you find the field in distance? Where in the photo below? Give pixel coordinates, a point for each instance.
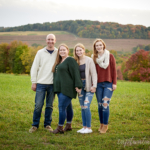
(70, 39)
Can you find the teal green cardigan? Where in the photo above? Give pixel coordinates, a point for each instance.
(67, 77)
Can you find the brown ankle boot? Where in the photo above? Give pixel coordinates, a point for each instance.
(58, 130)
(104, 129)
(68, 127)
(101, 126)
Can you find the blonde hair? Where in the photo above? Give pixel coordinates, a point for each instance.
(95, 53)
(76, 57)
(58, 57)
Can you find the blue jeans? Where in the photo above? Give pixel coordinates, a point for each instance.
(41, 91)
(85, 99)
(65, 109)
(103, 94)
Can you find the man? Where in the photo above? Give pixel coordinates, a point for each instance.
(42, 83)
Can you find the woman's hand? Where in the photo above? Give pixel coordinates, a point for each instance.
(114, 87)
(93, 89)
(78, 90)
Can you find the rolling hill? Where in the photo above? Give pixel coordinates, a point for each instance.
(31, 37)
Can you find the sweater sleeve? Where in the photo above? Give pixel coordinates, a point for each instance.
(113, 70)
(35, 68)
(93, 73)
(74, 71)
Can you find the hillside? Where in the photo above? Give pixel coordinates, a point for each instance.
(70, 39)
(89, 29)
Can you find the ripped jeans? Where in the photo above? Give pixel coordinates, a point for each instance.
(103, 94)
(85, 99)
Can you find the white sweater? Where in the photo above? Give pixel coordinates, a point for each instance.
(90, 74)
(41, 70)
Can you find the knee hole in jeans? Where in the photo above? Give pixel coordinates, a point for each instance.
(84, 107)
(86, 102)
(106, 98)
(105, 104)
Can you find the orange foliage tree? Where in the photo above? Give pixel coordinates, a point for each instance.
(138, 66)
(16, 57)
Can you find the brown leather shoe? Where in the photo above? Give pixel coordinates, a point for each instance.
(101, 126)
(104, 129)
(59, 129)
(68, 127)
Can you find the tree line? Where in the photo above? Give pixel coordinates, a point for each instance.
(89, 29)
(17, 57)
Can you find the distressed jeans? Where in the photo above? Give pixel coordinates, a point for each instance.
(85, 99)
(103, 94)
(65, 109)
(41, 91)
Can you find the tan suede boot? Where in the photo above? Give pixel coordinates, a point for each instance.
(58, 130)
(104, 129)
(68, 127)
(101, 126)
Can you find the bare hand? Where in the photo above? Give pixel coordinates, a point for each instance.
(93, 89)
(33, 87)
(78, 90)
(114, 87)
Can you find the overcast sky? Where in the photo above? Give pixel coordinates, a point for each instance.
(21, 12)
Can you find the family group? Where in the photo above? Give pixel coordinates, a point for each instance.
(54, 72)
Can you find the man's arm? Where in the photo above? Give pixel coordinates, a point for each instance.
(34, 71)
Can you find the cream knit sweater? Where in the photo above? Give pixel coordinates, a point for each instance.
(41, 70)
(90, 74)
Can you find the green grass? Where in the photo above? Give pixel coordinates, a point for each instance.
(16, 33)
(129, 122)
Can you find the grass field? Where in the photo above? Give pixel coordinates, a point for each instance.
(70, 39)
(129, 123)
(31, 33)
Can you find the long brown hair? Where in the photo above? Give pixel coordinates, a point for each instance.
(95, 53)
(58, 57)
(74, 52)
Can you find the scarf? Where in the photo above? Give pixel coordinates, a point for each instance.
(103, 61)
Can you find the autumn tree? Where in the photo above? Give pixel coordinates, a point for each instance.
(124, 73)
(18, 66)
(27, 57)
(16, 57)
(138, 66)
(119, 73)
(4, 51)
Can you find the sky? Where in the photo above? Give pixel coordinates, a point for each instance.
(22, 12)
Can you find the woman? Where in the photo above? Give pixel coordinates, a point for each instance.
(107, 80)
(66, 81)
(89, 79)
